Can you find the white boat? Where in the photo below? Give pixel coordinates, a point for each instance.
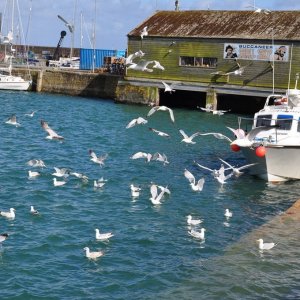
(7, 80)
(273, 143)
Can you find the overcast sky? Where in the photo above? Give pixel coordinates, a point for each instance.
(111, 20)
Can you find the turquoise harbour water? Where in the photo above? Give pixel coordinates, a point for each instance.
(151, 255)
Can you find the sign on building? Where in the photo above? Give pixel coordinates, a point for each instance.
(256, 52)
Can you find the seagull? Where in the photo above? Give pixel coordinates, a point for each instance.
(98, 183)
(3, 237)
(160, 157)
(160, 133)
(103, 236)
(144, 32)
(198, 235)
(188, 139)
(63, 172)
(206, 109)
(58, 183)
(192, 221)
(135, 191)
(80, 176)
(33, 211)
(12, 120)
(168, 88)
(219, 112)
(218, 136)
(239, 133)
(33, 174)
(36, 163)
(52, 135)
(214, 172)
(97, 159)
(260, 10)
(162, 108)
(136, 121)
(237, 171)
(191, 178)
(248, 140)
(228, 213)
(155, 197)
(221, 177)
(8, 214)
(31, 114)
(157, 65)
(131, 57)
(164, 189)
(140, 154)
(141, 66)
(92, 255)
(265, 246)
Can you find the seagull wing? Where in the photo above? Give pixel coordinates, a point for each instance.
(93, 154)
(131, 123)
(239, 133)
(226, 163)
(204, 167)
(189, 176)
(153, 191)
(152, 111)
(194, 135)
(139, 155)
(183, 134)
(171, 114)
(246, 166)
(49, 130)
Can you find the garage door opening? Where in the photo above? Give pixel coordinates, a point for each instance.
(240, 104)
(182, 99)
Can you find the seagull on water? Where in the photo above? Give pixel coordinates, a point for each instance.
(12, 120)
(58, 182)
(92, 255)
(33, 174)
(160, 133)
(99, 183)
(97, 159)
(103, 236)
(33, 211)
(3, 237)
(191, 178)
(135, 191)
(228, 213)
(162, 108)
(31, 114)
(155, 197)
(265, 246)
(36, 163)
(198, 235)
(188, 139)
(52, 135)
(169, 87)
(81, 176)
(8, 214)
(192, 221)
(237, 171)
(136, 121)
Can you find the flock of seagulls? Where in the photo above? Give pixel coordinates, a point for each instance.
(158, 193)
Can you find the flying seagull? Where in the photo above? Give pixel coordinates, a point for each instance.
(155, 197)
(188, 139)
(31, 114)
(144, 32)
(168, 87)
(160, 133)
(237, 171)
(36, 163)
(52, 135)
(196, 186)
(157, 65)
(141, 66)
(136, 121)
(162, 108)
(98, 159)
(217, 135)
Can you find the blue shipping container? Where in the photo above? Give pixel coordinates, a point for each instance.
(86, 57)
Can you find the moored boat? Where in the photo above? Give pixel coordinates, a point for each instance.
(273, 142)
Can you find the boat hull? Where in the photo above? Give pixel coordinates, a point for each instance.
(16, 86)
(278, 164)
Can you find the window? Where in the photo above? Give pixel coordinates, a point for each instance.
(284, 122)
(202, 62)
(263, 120)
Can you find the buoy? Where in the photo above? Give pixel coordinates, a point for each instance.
(235, 147)
(260, 151)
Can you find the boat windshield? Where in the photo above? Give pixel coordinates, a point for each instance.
(263, 120)
(284, 122)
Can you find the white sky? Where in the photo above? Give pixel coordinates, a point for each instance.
(111, 20)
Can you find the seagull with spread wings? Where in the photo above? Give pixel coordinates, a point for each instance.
(188, 139)
(136, 121)
(12, 120)
(141, 66)
(162, 108)
(169, 87)
(98, 159)
(52, 135)
(196, 186)
(160, 133)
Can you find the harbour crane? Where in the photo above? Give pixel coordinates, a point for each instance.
(71, 29)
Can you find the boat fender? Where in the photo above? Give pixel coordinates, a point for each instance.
(260, 151)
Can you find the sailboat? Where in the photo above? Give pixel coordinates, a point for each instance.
(7, 80)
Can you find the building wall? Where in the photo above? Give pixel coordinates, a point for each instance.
(257, 73)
